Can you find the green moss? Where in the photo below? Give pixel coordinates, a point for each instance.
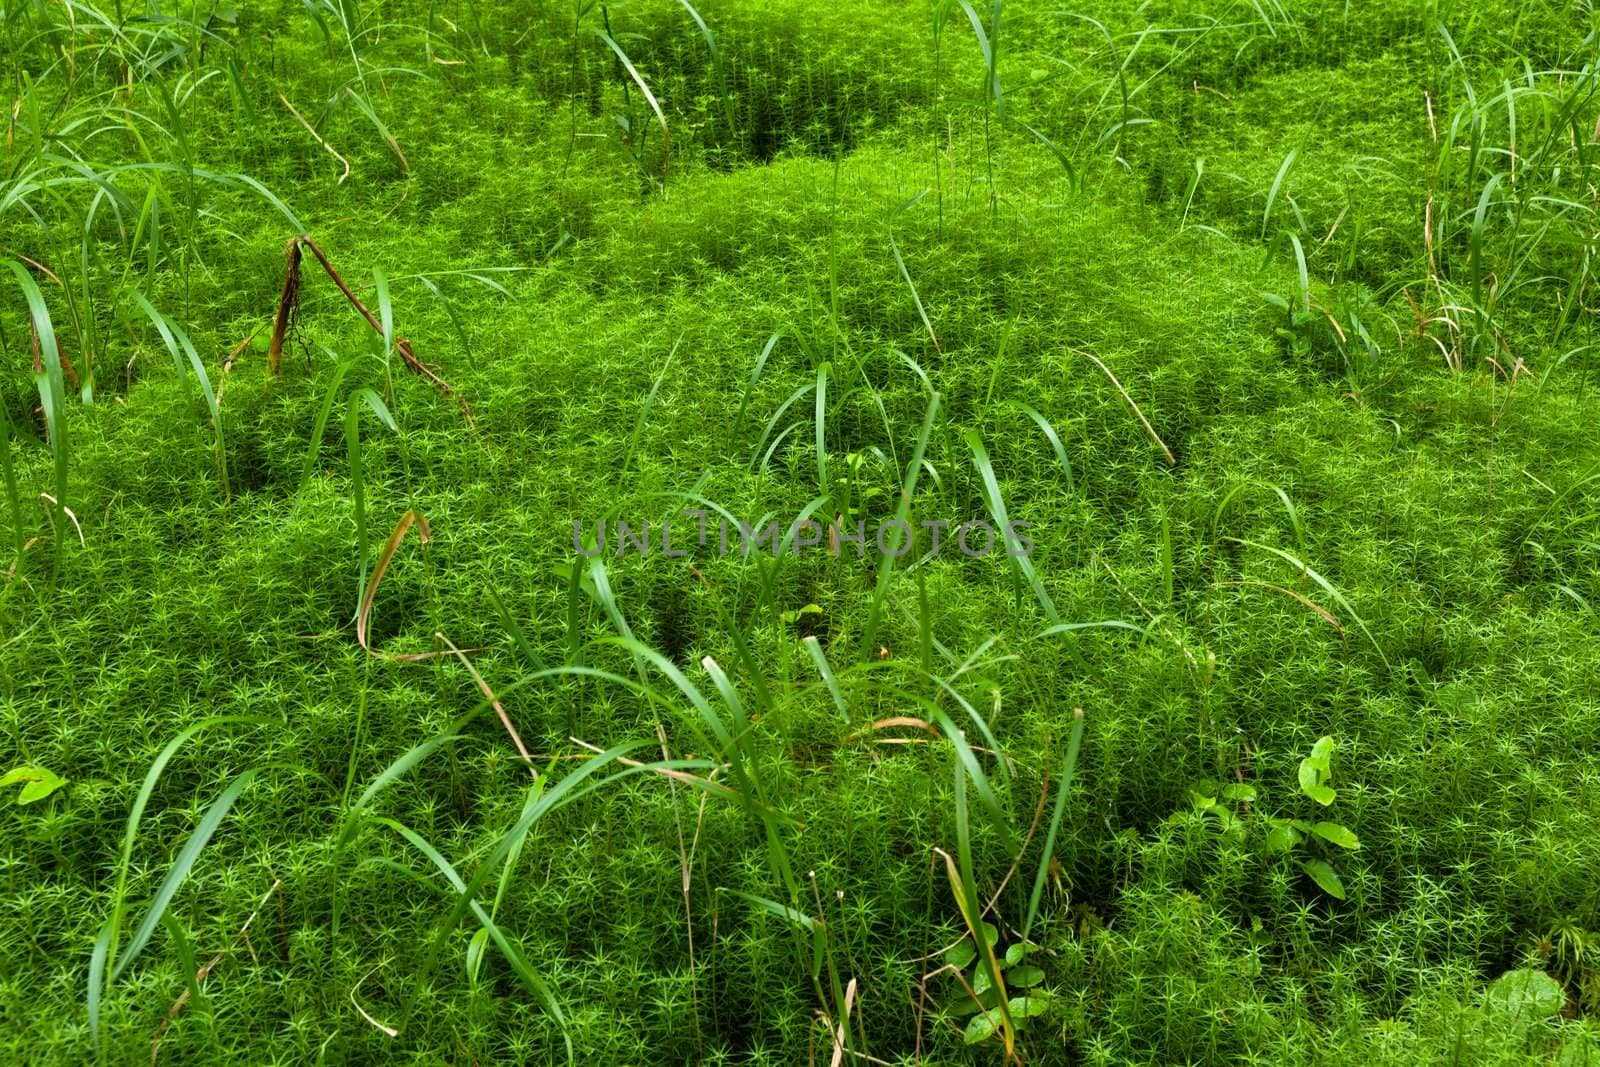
(1412, 418)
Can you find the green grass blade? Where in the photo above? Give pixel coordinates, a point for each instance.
(509, 623)
(1327, 587)
(814, 650)
(1063, 787)
(52, 383)
(320, 425)
(142, 800)
(180, 870)
(182, 351)
(750, 385)
(916, 298)
(650, 97)
(644, 409)
(455, 319)
(97, 981)
(510, 950)
(997, 509)
(908, 489)
(1277, 186)
(1050, 435)
(820, 425)
(791, 915)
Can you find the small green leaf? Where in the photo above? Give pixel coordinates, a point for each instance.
(965, 1005)
(1322, 794)
(21, 774)
(37, 783)
(1325, 876)
(1018, 952)
(981, 1028)
(37, 791)
(1024, 976)
(1316, 771)
(1338, 835)
(1026, 1007)
(961, 955)
(1310, 773)
(990, 934)
(982, 981)
(794, 616)
(1239, 791)
(1282, 838)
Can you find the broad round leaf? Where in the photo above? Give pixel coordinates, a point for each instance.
(1527, 993)
(1028, 1006)
(981, 1027)
(961, 955)
(1282, 838)
(1024, 976)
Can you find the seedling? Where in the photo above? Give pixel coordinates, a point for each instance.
(1304, 841)
(980, 997)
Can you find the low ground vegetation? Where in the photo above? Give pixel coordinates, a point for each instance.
(323, 323)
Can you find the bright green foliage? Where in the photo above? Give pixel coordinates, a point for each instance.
(1275, 319)
(37, 783)
(1527, 993)
(1302, 841)
(979, 997)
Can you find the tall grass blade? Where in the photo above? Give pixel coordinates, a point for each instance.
(1049, 435)
(1019, 561)
(814, 650)
(320, 425)
(1327, 587)
(358, 478)
(908, 489)
(105, 956)
(180, 870)
(916, 299)
(52, 383)
(649, 97)
(509, 949)
(1063, 787)
(1277, 186)
(181, 349)
(820, 426)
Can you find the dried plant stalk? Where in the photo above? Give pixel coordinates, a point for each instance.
(289, 306)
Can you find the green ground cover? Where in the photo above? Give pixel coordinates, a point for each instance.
(1273, 318)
